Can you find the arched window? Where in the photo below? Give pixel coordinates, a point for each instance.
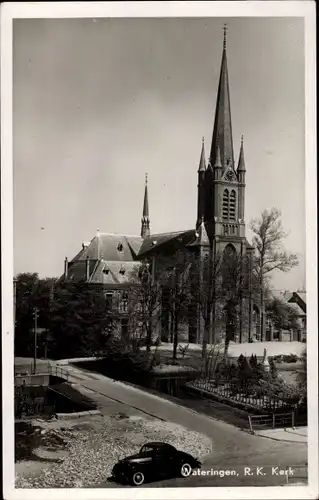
(232, 206)
(229, 270)
(225, 204)
(230, 251)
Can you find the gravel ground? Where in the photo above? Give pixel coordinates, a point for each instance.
(94, 447)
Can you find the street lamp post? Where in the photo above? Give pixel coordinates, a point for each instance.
(35, 316)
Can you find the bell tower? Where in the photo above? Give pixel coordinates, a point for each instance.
(225, 185)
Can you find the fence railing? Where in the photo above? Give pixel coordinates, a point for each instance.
(271, 421)
(43, 369)
(238, 394)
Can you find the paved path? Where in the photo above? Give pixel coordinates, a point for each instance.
(297, 435)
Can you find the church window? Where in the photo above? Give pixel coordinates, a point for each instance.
(109, 300)
(232, 206)
(124, 327)
(225, 204)
(123, 303)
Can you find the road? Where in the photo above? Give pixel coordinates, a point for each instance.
(265, 466)
(232, 448)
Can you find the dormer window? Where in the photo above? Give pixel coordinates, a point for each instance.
(120, 247)
(106, 270)
(122, 270)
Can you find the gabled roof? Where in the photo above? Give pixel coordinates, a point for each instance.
(111, 247)
(292, 299)
(296, 308)
(113, 272)
(77, 269)
(153, 242)
(303, 296)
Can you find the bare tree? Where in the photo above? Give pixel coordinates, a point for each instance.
(220, 286)
(144, 303)
(173, 275)
(269, 252)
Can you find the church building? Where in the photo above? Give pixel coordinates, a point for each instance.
(219, 227)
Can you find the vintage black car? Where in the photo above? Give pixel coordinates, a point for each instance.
(154, 460)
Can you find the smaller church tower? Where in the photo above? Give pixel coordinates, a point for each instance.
(145, 220)
(201, 186)
(241, 174)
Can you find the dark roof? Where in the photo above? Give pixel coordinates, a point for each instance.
(303, 296)
(77, 269)
(153, 242)
(296, 307)
(113, 272)
(111, 247)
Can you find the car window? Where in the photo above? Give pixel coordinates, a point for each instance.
(147, 449)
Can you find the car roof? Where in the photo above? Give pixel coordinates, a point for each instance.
(158, 444)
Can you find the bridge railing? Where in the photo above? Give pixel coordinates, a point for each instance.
(257, 422)
(43, 369)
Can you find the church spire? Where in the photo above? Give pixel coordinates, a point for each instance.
(241, 161)
(145, 229)
(222, 134)
(202, 161)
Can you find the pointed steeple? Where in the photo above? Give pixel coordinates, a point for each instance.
(201, 186)
(241, 162)
(202, 161)
(145, 205)
(222, 126)
(145, 229)
(201, 234)
(218, 161)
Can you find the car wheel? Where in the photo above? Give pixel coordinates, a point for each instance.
(138, 478)
(186, 470)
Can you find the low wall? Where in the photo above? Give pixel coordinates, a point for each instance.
(32, 380)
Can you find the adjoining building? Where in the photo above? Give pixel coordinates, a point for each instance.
(219, 228)
(297, 302)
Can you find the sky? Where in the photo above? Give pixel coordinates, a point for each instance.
(99, 102)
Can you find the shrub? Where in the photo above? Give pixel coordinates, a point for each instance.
(290, 358)
(123, 363)
(253, 362)
(273, 368)
(183, 349)
(245, 373)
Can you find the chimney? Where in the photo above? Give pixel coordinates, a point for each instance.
(87, 268)
(66, 267)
